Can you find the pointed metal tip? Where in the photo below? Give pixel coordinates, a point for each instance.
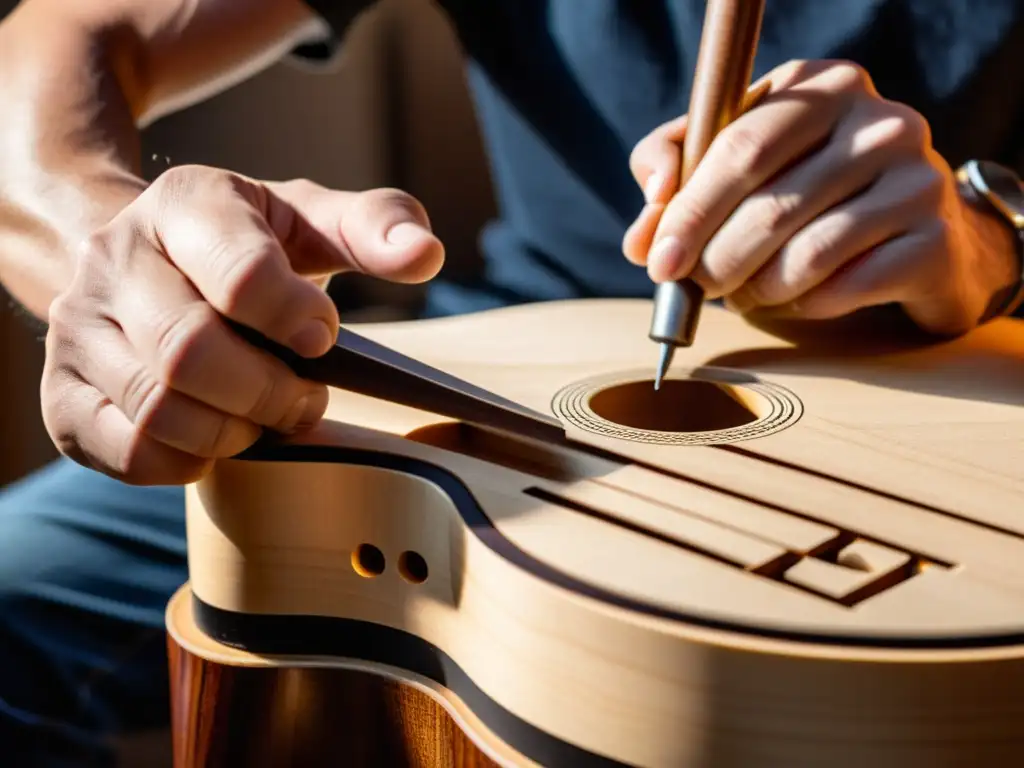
(667, 351)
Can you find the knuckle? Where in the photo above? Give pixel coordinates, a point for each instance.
(183, 186)
(744, 147)
(242, 267)
(182, 180)
(59, 395)
(932, 187)
(300, 187)
(61, 316)
(174, 184)
(96, 257)
(776, 212)
(915, 125)
(180, 343)
(905, 126)
(54, 399)
(92, 249)
(791, 70)
(63, 348)
(684, 214)
(849, 76)
(144, 398)
(267, 406)
(815, 251)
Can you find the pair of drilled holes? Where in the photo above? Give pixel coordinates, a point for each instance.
(368, 561)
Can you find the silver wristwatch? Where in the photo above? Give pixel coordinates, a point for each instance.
(999, 190)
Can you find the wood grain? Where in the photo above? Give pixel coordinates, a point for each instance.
(844, 587)
(226, 716)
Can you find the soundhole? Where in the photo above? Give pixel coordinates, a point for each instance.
(368, 561)
(700, 406)
(680, 405)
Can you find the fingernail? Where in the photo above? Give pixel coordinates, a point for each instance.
(315, 407)
(306, 412)
(313, 340)
(666, 258)
(405, 233)
(653, 187)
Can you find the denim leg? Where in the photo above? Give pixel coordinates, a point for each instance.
(87, 566)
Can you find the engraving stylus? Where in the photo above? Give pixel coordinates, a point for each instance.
(719, 95)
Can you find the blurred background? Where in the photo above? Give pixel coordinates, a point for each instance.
(392, 111)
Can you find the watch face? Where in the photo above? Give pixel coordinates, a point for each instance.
(1001, 186)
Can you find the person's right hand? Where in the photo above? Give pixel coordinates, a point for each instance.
(145, 382)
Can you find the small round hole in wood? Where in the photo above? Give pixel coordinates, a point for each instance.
(702, 406)
(413, 567)
(368, 561)
(680, 405)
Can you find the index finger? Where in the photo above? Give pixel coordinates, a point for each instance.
(743, 156)
(230, 254)
(656, 160)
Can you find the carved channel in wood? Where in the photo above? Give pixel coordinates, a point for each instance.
(846, 570)
(835, 564)
(698, 406)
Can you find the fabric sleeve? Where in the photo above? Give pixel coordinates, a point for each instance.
(338, 15)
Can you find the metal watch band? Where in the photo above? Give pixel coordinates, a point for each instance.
(975, 190)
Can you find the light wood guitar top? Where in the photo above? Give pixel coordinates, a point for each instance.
(807, 549)
(870, 488)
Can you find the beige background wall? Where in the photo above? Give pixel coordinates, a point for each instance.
(393, 111)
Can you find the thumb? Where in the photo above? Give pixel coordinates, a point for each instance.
(382, 232)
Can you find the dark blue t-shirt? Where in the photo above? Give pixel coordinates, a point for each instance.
(565, 88)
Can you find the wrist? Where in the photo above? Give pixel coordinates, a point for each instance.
(996, 240)
(69, 149)
(996, 263)
(45, 214)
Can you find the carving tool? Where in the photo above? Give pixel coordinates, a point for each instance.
(357, 364)
(725, 62)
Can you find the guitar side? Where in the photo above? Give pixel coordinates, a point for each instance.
(233, 709)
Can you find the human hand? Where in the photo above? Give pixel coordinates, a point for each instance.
(822, 200)
(143, 378)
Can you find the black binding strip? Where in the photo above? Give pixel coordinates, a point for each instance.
(478, 522)
(349, 638)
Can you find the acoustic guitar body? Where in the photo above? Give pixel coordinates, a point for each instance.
(806, 549)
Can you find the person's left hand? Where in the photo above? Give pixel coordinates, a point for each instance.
(822, 200)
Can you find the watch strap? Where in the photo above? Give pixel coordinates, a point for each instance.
(1010, 299)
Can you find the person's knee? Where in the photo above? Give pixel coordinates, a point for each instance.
(41, 719)
(86, 568)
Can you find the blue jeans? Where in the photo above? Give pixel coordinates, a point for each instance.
(87, 566)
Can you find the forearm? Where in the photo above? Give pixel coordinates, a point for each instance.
(68, 151)
(76, 79)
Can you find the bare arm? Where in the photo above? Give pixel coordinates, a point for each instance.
(76, 79)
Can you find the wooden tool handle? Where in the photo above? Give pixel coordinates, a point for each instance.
(724, 66)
